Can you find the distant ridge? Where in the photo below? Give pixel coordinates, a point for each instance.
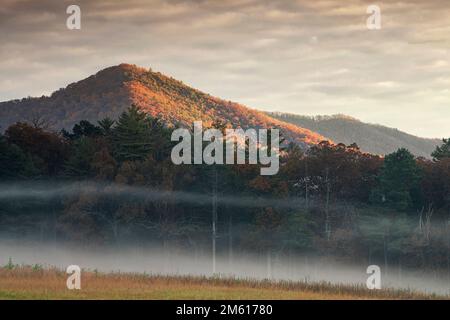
(372, 138)
(112, 90)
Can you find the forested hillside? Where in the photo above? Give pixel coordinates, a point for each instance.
(371, 138)
(112, 90)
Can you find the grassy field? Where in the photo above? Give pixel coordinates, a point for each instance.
(34, 282)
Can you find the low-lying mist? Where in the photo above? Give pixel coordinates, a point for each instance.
(234, 257)
(46, 191)
(177, 261)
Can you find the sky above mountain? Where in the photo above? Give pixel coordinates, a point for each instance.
(304, 57)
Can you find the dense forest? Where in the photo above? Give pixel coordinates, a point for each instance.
(114, 181)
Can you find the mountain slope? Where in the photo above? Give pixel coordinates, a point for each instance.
(370, 138)
(112, 90)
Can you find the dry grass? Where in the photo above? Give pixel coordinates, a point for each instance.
(26, 282)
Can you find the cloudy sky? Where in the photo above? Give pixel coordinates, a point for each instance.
(299, 56)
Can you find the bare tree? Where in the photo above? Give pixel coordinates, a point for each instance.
(39, 121)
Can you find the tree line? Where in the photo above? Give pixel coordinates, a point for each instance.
(331, 199)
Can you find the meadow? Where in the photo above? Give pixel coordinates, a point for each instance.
(36, 282)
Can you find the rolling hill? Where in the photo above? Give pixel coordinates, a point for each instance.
(370, 138)
(109, 92)
(112, 90)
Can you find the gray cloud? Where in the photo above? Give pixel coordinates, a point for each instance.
(306, 57)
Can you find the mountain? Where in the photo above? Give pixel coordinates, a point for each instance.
(370, 138)
(111, 91)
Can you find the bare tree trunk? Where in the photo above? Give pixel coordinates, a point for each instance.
(448, 249)
(214, 222)
(385, 255)
(306, 185)
(230, 240)
(269, 264)
(429, 214)
(115, 230)
(327, 207)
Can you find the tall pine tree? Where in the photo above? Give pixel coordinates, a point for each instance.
(398, 180)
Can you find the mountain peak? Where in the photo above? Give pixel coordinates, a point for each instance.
(112, 90)
(122, 68)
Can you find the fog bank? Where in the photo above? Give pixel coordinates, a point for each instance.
(174, 261)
